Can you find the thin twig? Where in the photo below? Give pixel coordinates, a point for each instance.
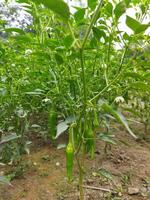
(98, 188)
(73, 35)
(114, 80)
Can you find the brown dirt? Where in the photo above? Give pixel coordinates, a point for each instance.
(128, 166)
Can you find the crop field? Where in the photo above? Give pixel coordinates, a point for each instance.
(75, 100)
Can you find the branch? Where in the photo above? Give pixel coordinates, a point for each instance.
(94, 18)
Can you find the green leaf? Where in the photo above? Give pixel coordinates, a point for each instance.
(141, 86)
(68, 41)
(8, 138)
(109, 9)
(122, 119)
(126, 36)
(136, 26)
(106, 138)
(61, 127)
(61, 146)
(133, 75)
(22, 1)
(119, 9)
(98, 33)
(4, 180)
(143, 8)
(79, 15)
(70, 119)
(92, 4)
(146, 75)
(36, 92)
(105, 174)
(118, 116)
(23, 38)
(93, 42)
(16, 30)
(127, 2)
(59, 59)
(57, 6)
(2, 51)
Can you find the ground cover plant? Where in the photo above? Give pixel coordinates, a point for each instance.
(73, 74)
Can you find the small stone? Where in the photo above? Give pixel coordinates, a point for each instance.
(133, 191)
(2, 164)
(35, 164)
(57, 164)
(94, 174)
(144, 191)
(97, 152)
(122, 152)
(119, 194)
(90, 181)
(128, 158)
(2, 173)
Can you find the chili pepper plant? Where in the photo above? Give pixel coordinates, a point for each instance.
(72, 65)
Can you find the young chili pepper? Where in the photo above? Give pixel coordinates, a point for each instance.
(95, 122)
(90, 142)
(70, 154)
(69, 160)
(52, 121)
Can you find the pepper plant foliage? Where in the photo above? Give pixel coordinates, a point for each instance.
(67, 67)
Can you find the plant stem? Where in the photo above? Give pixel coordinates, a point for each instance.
(80, 179)
(81, 183)
(94, 18)
(84, 115)
(83, 79)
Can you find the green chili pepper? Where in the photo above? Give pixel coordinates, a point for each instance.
(89, 136)
(70, 152)
(95, 122)
(52, 121)
(69, 160)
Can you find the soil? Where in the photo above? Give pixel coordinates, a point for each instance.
(124, 171)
